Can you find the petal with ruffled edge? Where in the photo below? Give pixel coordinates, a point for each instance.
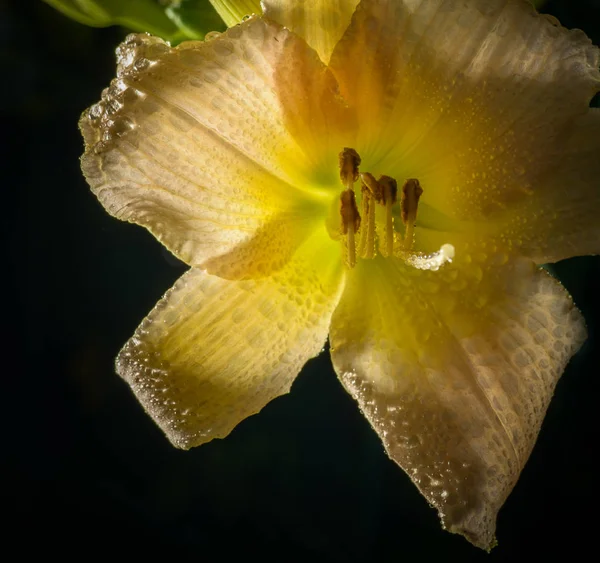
(485, 102)
(215, 351)
(320, 22)
(454, 370)
(206, 147)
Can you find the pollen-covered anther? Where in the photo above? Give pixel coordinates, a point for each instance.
(371, 187)
(349, 161)
(409, 202)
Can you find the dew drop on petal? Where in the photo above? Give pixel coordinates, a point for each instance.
(211, 35)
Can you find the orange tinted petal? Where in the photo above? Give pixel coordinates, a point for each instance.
(454, 370)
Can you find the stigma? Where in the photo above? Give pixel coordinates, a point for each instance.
(371, 231)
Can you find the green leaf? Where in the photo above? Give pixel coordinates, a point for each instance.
(195, 17)
(174, 20)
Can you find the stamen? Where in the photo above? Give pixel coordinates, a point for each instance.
(350, 223)
(370, 191)
(373, 186)
(349, 161)
(390, 194)
(378, 225)
(409, 202)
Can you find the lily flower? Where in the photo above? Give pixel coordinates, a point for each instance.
(388, 173)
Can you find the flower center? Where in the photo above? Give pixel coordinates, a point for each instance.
(364, 235)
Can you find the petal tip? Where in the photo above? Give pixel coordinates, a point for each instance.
(481, 535)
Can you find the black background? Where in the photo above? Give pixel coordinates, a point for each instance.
(86, 473)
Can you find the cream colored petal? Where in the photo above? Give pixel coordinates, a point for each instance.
(232, 11)
(475, 99)
(194, 143)
(320, 22)
(563, 219)
(454, 370)
(214, 352)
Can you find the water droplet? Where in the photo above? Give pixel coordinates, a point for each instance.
(122, 126)
(141, 64)
(96, 111)
(125, 58)
(211, 35)
(132, 39)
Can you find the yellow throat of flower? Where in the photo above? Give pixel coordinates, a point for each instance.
(369, 231)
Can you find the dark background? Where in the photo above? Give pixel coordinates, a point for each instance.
(85, 473)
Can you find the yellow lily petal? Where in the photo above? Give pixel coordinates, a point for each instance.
(232, 11)
(454, 370)
(169, 146)
(557, 221)
(320, 22)
(475, 99)
(214, 352)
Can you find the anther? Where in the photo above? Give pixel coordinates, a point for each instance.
(409, 202)
(372, 186)
(349, 162)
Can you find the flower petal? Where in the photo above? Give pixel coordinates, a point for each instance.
(454, 370)
(214, 352)
(562, 220)
(320, 22)
(198, 144)
(473, 98)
